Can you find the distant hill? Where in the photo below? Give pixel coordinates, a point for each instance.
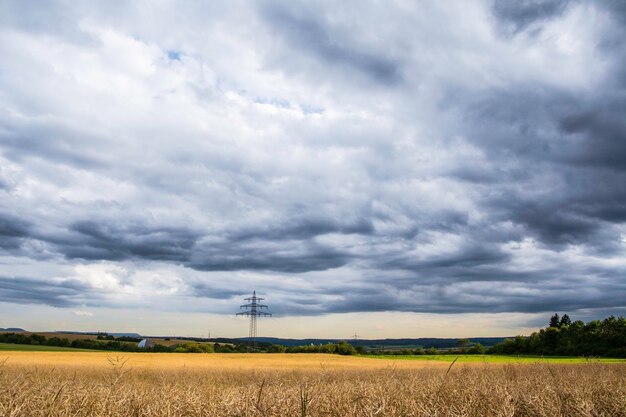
(12, 329)
(125, 334)
(389, 344)
(95, 334)
(383, 343)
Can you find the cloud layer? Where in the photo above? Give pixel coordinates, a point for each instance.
(337, 157)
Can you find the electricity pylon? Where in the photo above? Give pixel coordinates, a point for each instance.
(253, 309)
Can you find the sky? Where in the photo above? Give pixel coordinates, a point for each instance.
(394, 169)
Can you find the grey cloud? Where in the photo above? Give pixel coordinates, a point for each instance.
(12, 231)
(312, 36)
(471, 256)
(4, 185)
(551, 223)
(241, 250)
(517, 15)
(485, 297)
(201, 289)
(574, 142)
(98, 241)
(11, 226)
(52, 141)
(601, 129)
(305, 227)
(23, 290)
(295, 257)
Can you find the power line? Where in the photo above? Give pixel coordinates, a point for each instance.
(253, 309)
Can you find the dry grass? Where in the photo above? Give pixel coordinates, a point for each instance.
(47, 384)
(216, 361)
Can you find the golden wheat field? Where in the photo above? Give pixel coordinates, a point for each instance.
(229, 385)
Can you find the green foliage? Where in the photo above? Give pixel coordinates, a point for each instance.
(194, 348)
(57, 341)
(345, 348)
(554, 321)
(276, 349)
(566, 338)
(229, 348)
(477, 349)
(341, 348)
(462, 343)
(103, 343)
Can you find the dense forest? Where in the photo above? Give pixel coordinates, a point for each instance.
(566, 338)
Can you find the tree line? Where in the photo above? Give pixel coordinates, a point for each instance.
(127, 344)
(119, 344)
(562, 337)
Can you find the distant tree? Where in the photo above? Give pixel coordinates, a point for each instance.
(554, 321)
(160, 348)
(477, 349)
(463, 343)
(596, 338)
(345, 348)
(194, 348)
(276, 349)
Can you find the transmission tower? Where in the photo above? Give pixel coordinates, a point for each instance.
(253, 309)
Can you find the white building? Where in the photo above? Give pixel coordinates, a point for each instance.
(145, 343)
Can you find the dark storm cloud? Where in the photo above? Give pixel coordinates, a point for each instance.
(12, 231)
(24, 290)
(601, 131)
(293, 257)
(308, 35)
(471, 256)
(205, 290)
(305, 227)
(576, 141)
(517, 15)
(553, 292)
(99, 241)
(242, 250)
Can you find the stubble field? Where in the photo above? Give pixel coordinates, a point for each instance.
(102, 384)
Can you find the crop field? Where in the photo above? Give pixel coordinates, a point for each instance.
(229, 385)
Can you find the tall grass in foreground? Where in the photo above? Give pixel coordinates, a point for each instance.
(477, 390)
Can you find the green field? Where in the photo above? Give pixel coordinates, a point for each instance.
(39, 348)
(498, 358)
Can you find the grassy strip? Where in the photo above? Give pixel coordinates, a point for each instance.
(39, 348)
(497, 358)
